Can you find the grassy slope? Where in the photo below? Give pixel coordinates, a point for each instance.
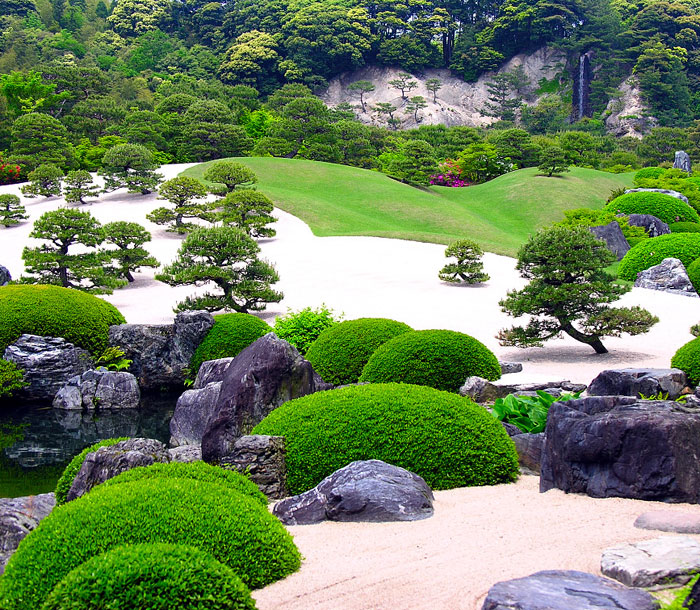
(500, 215)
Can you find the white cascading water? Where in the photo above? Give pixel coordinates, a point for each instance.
(581, 83)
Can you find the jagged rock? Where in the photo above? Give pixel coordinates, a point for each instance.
(612, 235)
(628, 114)
(211, 371)
(649, 563)
(482, 390)
(369, 490)
(193, 411)
(186, 453)
(99, 389)
(669, 521)
(510, 367)
(262, 459)
(48, 363)
(18, 517)
(511, 430)
(5, 276)
(669, 276)
(671, 193)
(681, 160)
(618, 446)
(529, 448)
(565, 590)
(651, 224)
(635, 382)
(108, 462)
(160, 353)
(264, 375)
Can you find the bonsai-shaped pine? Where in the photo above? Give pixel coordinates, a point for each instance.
(129, 256)
(403, 83)
(362, 87)
(11, 210)
(130, 166)
(187, 196)
(54, 263)
(79, 185)
(433, 85)
(231, 175)
(468, 269)
(227, 257)
(45, 180)
(569, 292)
(553, 161)
(248, 210)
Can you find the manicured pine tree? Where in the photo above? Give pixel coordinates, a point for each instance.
(45, 180)
(130, 254)
(187, 197)
(248, 210)
(11, 210)
(78, 185)
(469, 269)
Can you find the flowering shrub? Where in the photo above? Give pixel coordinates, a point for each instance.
(9, 172)
(449, 174)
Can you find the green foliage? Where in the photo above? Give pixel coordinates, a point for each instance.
(45, 180)
(187, 197)
(693, 270)
(71, 471)
(52, 311)
(113, 359)
(585, 217)
(667, 208)
(130, 166)
(234, 528)
(553, 161)
(229, 335)
(227, 257)
(11, 378)
(195, 471)
(687, 358)
(480, 162)
(681, 599)
(11, 211)
(442, 437)
(249, 211)
(40, 139)
(527, 413)
(413, 163)
(683, 246)
(648, 173)
(469, 269)
(231, 175)
(684, 227)
(441, 359)
(153, 577)
(341, 351)
(79, 185)
(301, 328)
(129, 255)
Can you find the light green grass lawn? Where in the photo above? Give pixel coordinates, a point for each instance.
(499, 215)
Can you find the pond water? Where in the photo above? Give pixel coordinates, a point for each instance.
(37, 442)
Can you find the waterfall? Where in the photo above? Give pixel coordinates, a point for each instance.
(580, 104)
(581, 84)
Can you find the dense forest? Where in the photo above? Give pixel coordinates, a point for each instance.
(193, 80)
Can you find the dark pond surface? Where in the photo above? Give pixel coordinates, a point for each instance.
(37, 442)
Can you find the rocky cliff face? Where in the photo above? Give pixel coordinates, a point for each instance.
(627, 114)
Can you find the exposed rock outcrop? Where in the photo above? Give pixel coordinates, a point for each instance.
(651, 224)
(668, 276)
(612, 235)
(635, 382)
(627, 115)
(99, 389)
(482, 390)
(262, 459)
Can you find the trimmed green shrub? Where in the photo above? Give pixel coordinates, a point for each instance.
(684, 227)
(647, 173)
(444, 438)
(54, 311)
(301, 328)
(151, 577)
(341, 352)
(11, 378)
(441, 359)
(667, 208)
(196, 471)
(71, 471)
(687, 358)
(693, 271)
(231, 333)
(650, 252)
(235, 529)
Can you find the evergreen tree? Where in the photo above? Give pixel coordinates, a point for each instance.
(433, 85)
(362, 87)
(469, 269)
(38, 139)
(414, 105)
(130, 166)
(45, 180)
(130, 254)
(404, 84)
(553, 161)
(231, 175)
(248, 210)
(79, 185)
(11, 211)
(187, 197)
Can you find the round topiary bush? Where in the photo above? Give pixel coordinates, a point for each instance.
(71, 471)
(441, 359)
(53, 311)
(341, 352)
(151, 577)
(235, 529)
(649, 173)
(444, 438)
(650, 252)
(693, 271)
(684, 227)
(231, 333)
(667, 208)
(687, 358)
(196, 471)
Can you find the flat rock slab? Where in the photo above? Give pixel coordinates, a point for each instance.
(565, 590)
(651, 563)
(669, 521)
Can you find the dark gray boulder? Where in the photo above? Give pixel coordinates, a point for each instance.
(669, 275)
(18, 517)
(651, 224)
(262, 459)
(48, 363)
(529, 448)
(566, 590)
(211, 371)
(5, 276)
(510, 367)
(668, 192)
(681, 160)
(635, 382)
(108, 462)
(612, 235)
(161, 353)
(186, 454)
(263, 376)
(99, 389)
(192, 412)
(482, 390)
(618, 446)
(369, 490)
